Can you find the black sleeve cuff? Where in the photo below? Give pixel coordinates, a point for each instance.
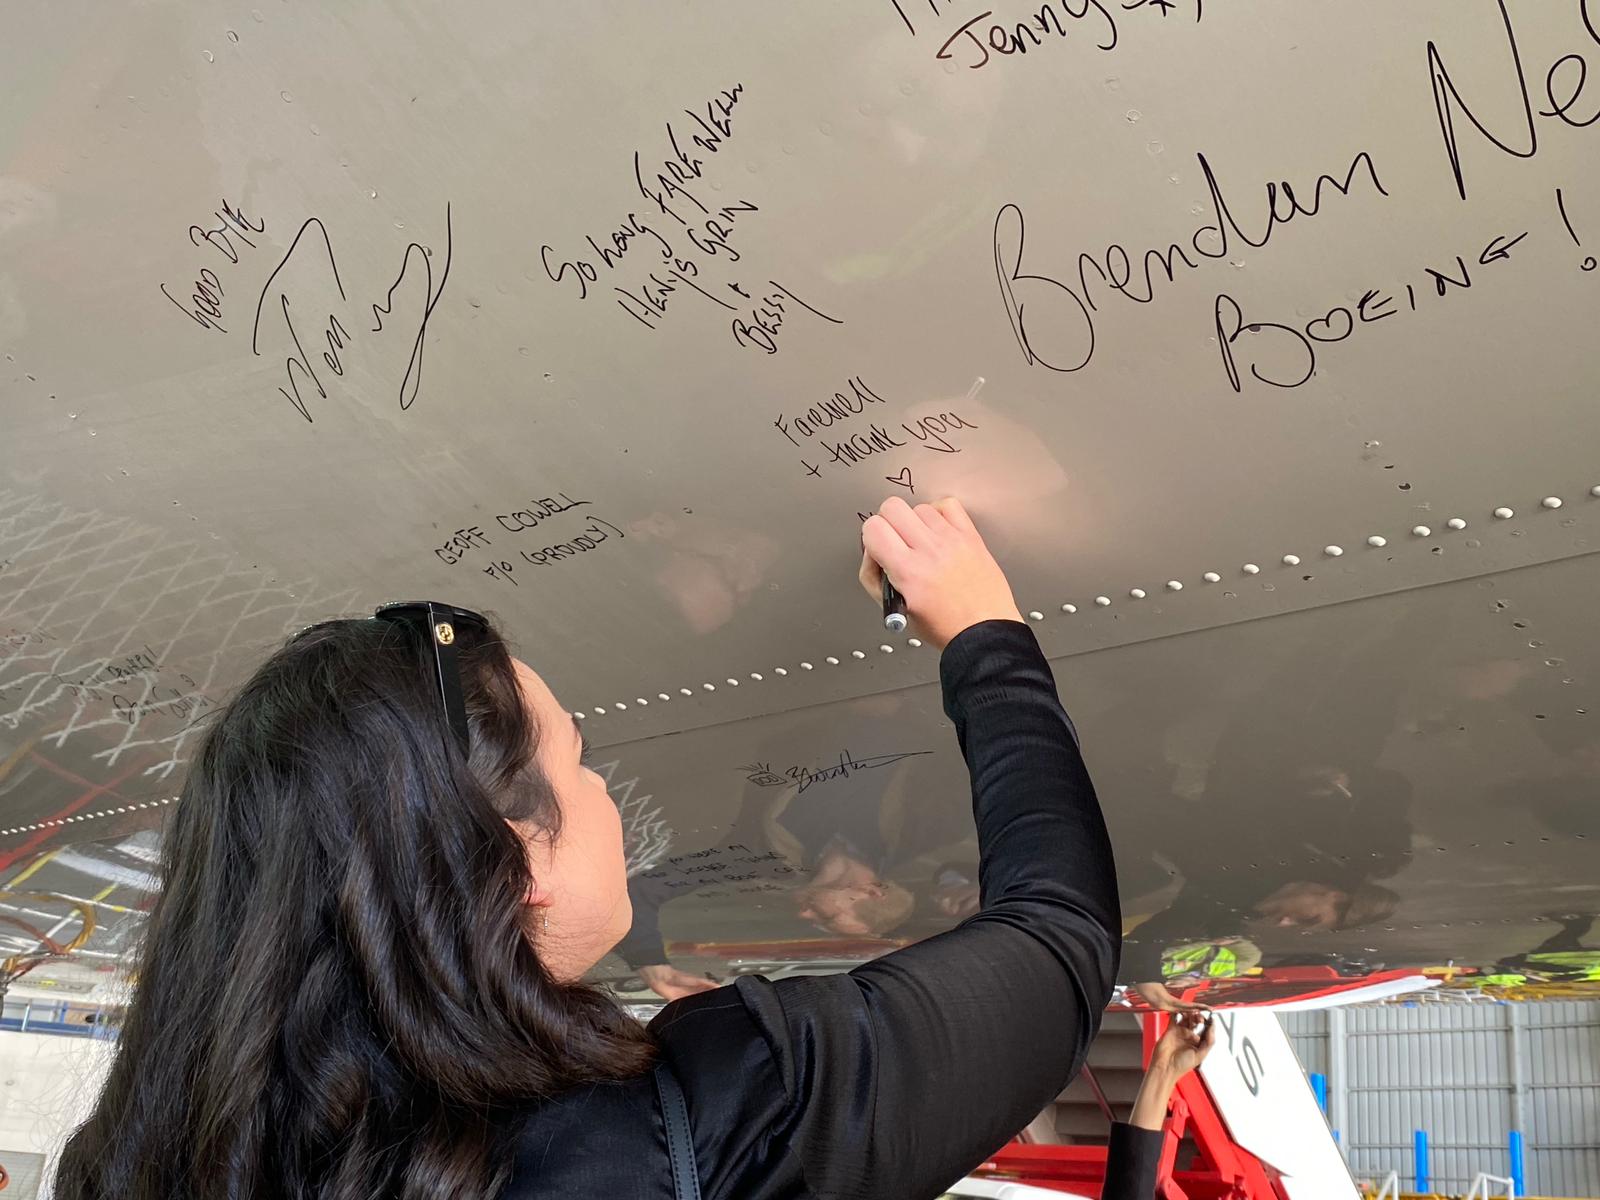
(1131, 1163)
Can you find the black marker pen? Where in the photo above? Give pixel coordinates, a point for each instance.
(894, 607)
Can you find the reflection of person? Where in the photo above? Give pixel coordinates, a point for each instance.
(1214, 958)
(705, 569)
(1302, 904)
(1135, 1150)
(1566, 800)
(826, 847)
(1296, 820)
(1349, 827)
(1560, 958)
(955, 890)
(843, 894)
(389, 856)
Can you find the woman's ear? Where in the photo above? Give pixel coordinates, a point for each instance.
(537, 895)
(536, 853)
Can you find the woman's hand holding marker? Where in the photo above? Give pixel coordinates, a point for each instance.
(939, 563)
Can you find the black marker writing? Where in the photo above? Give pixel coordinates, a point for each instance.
(668, 190)
(928, 432)
(715, 123)
(536, 513)
(823, 415)
(995, 31)
(206, 301)
(761, 331)
(230, 224)
(1588, 264)
(1524, 141)
(1017, 37)
(649, 302)
(334, 334)
(847, 763)
(933, 7)
(1166, 6)
(762, 775)
(520, 520)
(595, 533)
(1061, 334)
(1285, 356)
(413, 376)
(459, 543)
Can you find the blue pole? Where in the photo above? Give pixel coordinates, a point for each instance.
(1518, 1187)
(1319, 1086)
(1419, 1150)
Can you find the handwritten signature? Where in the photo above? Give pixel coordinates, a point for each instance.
(1448, 101)
(1017, 37)
(1060, 335)
(987, 35)
(767, 315)
(144, 667)
(763, 775)
(334, 332)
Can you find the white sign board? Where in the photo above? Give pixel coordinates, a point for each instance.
(1262, 1093)
(1361, 995)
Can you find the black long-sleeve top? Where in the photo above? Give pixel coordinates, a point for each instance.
(900, 1077)
(1132, 1159)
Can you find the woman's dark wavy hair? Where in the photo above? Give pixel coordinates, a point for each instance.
(337, 996)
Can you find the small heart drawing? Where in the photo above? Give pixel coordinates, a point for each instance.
(1331, 323)
(903, 479)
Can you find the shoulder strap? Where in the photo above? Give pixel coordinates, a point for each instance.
(680, 1144)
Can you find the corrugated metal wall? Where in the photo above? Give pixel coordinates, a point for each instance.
(1454, 1071)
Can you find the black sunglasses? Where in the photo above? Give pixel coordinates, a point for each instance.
(437, 622)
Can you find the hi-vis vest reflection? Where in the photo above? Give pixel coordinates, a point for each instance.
(1563, 966)
(1225, 958)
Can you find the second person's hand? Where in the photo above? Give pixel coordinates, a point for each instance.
(1188, 1039)
(936, 558)
(1160, 997)
(1183, 1047)
(670, 983)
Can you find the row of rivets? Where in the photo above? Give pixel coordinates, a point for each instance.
(1376, 541)
(756, 676)
(107, 812)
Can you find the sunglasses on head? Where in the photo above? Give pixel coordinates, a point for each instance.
(438, 622)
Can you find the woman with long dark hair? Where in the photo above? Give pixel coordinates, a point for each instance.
(389, 872)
